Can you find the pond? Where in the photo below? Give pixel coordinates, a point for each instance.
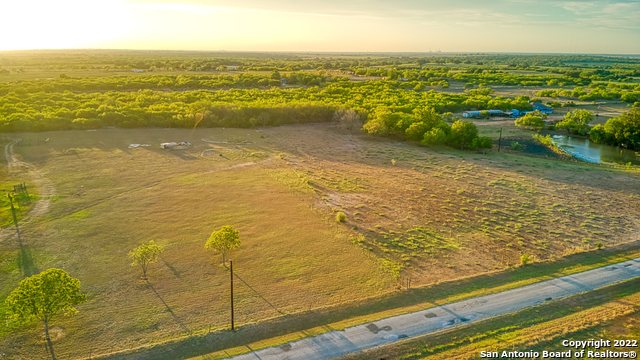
(585, 150)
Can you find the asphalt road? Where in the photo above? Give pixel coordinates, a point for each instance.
(337, 343)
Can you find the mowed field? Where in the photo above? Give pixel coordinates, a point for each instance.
(431, 215)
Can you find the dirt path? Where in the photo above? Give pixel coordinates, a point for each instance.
(44, 187)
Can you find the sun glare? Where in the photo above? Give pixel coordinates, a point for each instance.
(42, 24)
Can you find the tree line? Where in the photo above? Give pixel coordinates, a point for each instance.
(22, 110)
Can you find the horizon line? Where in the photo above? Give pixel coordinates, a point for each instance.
(332, 52)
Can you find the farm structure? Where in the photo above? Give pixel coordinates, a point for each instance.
(514, 113)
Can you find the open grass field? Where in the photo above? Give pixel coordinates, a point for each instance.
(429, 215)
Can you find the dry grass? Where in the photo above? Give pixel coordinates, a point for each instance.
(434, 216)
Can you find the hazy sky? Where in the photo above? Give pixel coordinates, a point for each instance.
(606, 26)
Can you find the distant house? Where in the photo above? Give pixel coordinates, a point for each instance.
(479, 114)
(485, 113)
(472, 114)
(498, 113)
(233, 67)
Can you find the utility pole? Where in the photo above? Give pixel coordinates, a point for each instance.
(500, 140)
(13, 213)
(231, 274)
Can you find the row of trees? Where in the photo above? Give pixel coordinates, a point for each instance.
(623, 130)
(498, 74)
(54, 292)
(167, 82)
(587, 66)
(629, 93)
(38, 111)
(426, 126)
(221, 241)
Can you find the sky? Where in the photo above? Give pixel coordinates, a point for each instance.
(556, 26)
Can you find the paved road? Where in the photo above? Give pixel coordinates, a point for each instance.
(361, 337)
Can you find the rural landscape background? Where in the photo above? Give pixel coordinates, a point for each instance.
(363, 185)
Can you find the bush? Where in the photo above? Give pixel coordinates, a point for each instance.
(525, 259)
(516, 146)
(576, 122)
(462, 134)
(416, 131)
(435, 136)
(598, 134)
(482, 142)
(341, 217)
(533, 120)
(623, 130)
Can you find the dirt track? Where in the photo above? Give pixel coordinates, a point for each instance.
(44, 186)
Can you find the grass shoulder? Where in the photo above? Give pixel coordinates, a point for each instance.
(537, 328)
(281, 330)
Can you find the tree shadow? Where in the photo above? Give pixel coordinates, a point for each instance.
(173, 270)
(25, 262)
(25, 258)
(235, 274)
(169, 309)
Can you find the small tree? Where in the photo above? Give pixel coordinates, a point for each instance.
(576, 122)
(435, 136)
(482, 142)
(223, 241)
(462, 133)
(525, 259)
(533, 120)
(144, 255)
(44, 295)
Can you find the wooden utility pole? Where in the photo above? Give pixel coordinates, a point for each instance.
(500, 140)
(231, 278)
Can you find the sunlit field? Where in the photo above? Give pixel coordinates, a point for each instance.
(430, 215)
(358, 183)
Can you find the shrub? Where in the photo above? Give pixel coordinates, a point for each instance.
(482, 142)
(576, 122)
(435, 136)
(516, 146)
(533, 120)
(463, 133)
(624, 130)
(341, 217)
(598, 134)
(525, 259)
(416, 131)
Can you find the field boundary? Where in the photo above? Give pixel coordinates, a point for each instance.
(254, 336)
(450, 343)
